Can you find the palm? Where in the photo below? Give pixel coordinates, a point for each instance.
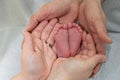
(65, 66)
(38, 60)
(38, 63)
(87, 50)
(32, 63)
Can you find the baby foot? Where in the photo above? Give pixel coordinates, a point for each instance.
(75, 35)
(61, 40)
(68, 39)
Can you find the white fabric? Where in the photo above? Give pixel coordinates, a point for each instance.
(14, 15)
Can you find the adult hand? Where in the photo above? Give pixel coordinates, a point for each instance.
(93, 20)
(65, 10)
(79, 67)
(37, 55)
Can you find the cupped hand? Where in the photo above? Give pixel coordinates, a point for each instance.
(79, 67)
(37, 54)
(65, 10)
(93, 20)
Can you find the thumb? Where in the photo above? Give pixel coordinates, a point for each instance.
(27, 46)
(35, 19)
(93, 61)
(39, 16)
(102, 31)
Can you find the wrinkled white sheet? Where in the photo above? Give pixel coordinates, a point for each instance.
(14, 15)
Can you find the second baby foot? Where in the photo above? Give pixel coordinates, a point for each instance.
(75, 35)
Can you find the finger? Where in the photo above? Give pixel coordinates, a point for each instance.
(78, 56)
(27, 44)
(38, 30)
(38, 45)
(94, 19)
(104, 22)
(101, 31)
(103, 14)
(55, 50)
(100, 48)
(48, 29)
(97, 68)
(104, 17)
(37, 17)
(49, 55)
(84, 44)
(47, 12)
(100, 45)
(81, 18)
(90, 46)
(84, 57)
(51, 37)
(36, 35)
(96, 59)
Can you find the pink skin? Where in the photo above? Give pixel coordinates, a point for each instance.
(61, 39)
(68, 39)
